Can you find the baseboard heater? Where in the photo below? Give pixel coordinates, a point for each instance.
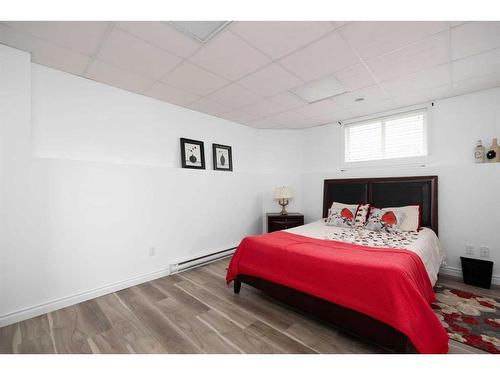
(199, 261)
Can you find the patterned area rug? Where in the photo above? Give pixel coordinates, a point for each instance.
(469, 318)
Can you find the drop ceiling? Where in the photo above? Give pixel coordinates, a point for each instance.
(250, 72)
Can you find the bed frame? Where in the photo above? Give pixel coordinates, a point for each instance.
(380, 192)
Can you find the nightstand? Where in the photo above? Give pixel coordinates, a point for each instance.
(276, 221)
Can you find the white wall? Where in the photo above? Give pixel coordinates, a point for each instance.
(91, 180)
(469, 194)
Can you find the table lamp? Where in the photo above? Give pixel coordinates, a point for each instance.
(282, 194)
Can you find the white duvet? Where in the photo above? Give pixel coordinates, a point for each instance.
(424, 243)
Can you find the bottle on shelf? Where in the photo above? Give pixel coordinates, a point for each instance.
(493, 154)
(479, 152)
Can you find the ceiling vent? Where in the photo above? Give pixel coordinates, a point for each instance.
(201, 31)
(321, 89)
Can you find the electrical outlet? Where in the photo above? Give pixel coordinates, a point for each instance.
(152, 251)
(484, 252)
(469, 249)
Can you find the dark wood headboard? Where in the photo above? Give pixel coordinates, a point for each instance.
(387, 192)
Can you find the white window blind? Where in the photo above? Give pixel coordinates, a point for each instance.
(398, 136)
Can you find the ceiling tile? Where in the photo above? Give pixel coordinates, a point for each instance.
(474, 37)
(324, 57)
(264, 108)
(278, 38)
(79, 36)
(209, 106)
(456, 23)
(372, 108)
(292, 117)
(170, 94)
(371, 39)
(320, 108)
(117, 77)
(424, 79)
(161, 35)
(239, 117)
(423, 95)
(229, 56)
(475, 66)
(302, 123)
(288, 100)
(355, 77)
(270, 80)
(262, 124)
(234, 96)
(191, 78)
(373, 94)
(476, 84)
(418, 56)
(334, 117)
(128, 52)
(44, 53)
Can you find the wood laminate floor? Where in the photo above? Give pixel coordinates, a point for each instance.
(190, 312)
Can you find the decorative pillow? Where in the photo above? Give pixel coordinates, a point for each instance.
(411, 221)
(385, 220)
(361, 215)
(342, 215)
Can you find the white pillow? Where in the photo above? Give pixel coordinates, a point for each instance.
(342, 215)
(411, 217)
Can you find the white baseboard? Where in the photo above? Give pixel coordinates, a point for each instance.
(31, 312)
(454, 271)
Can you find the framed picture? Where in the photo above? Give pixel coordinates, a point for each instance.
(223, 159)
(192, 154)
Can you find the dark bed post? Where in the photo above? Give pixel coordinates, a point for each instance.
(236, 285)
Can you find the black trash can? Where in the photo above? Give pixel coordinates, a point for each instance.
(477, 272)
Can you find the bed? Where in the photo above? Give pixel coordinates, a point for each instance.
(380, 292)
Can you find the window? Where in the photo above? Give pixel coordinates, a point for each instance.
(398, 136)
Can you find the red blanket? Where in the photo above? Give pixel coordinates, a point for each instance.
(387, 284)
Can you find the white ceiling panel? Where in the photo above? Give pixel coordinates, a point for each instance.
(170, 94)
(418, 56)
(476, 84)
(191, 78)
(474, 37)
(476, 66)
(161, 35)
(263, 123)
(270, 80)
(288, 100)
(229, 56)
(79, 36)
(209, 106)
(245, 73)
(279, 38)
(320, 108)
(333, 117)
(355, 77)
(423, 96)
(324, 57)
(372, 39)
(372, 107)
(234, 96)
(238, 116)
(372, 94)
(105, 73)
(424, 79)
(45, 53)
(128, 52)
(264, 108)
(291, 117)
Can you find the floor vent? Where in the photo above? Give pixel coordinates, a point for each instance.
(199, 261)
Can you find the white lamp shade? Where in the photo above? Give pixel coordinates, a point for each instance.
(283, 192)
